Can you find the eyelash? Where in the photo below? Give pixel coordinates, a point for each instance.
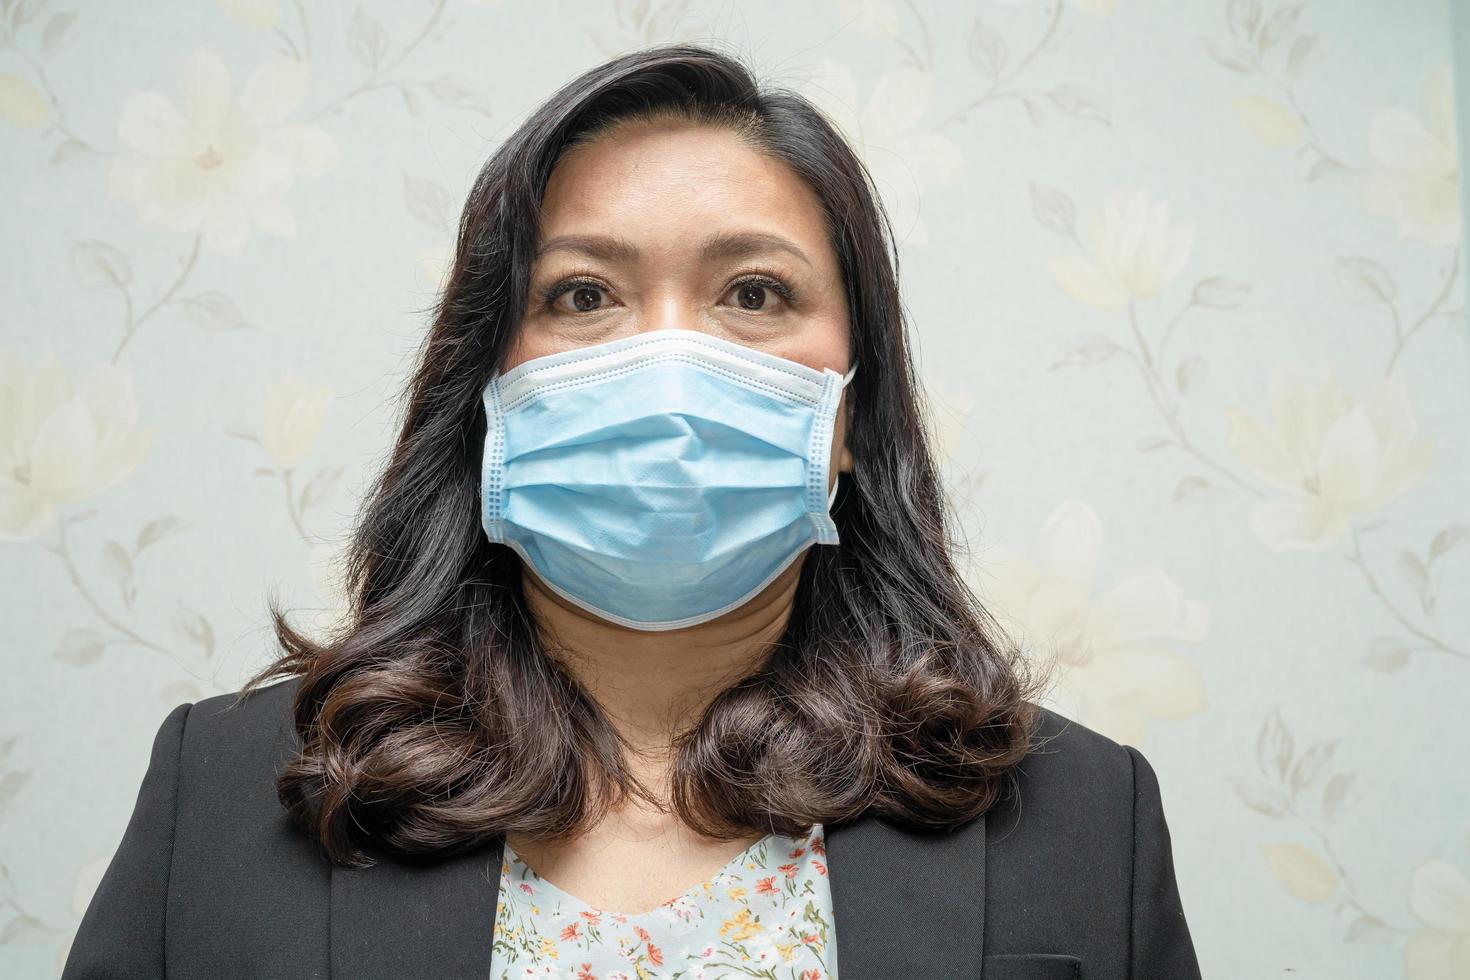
(550, 295)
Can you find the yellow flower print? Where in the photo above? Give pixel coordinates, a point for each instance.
(740, 926)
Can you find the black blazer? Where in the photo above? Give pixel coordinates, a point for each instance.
(1071, 878)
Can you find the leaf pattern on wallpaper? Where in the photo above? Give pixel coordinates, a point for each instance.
(1132, 248)
(1305, 215)
(66, 442)
(1269, 46)
(907, 156)
(220, 164)
(1328, 454)
(371, 45)
(904, 155)
(27, 923)
(1001, 57)
(1366, 282)
(1411, 175)
(1300, 786)
(291, 419)
(1415, 178)
(217, 164)
(1439, 895)
(1117, 648)
(28, 99)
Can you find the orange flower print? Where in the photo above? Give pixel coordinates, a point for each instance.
(767, 914)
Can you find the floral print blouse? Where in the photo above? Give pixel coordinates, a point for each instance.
(767, 913)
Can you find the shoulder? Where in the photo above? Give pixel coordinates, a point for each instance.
(1075, 791)
(232, 749)
(1085, 838)
(231, 746)
(240, 727)
(258, 710)
(1067, 758)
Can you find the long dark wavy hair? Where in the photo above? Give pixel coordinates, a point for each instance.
(433, 717)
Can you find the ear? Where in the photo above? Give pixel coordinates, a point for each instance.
(844, 460)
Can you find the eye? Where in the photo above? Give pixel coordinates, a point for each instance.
(584, 295)
(750, 293)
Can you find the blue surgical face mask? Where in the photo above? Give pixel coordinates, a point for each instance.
(662, 479)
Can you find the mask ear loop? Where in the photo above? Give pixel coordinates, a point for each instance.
(832, 494)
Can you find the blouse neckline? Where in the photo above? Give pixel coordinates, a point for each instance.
(515, 859)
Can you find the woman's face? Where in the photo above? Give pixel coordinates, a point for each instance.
(659, 226)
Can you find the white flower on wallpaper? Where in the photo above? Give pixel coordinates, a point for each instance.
(1417, 177)
(21, 103)
(1332, 455)
(1439, 895)
(431, 272)
(62, 442)
(219, 165)
(887, 133)
(291, 420)
(1086, 6)
(1268, 120)
(1134, 248)
(875, 18)
(1116, 650)
(256, 13)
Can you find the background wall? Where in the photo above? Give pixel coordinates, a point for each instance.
(1186, 285)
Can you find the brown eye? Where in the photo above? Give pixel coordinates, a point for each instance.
(751, 294)
(584, 298)
(584, 295)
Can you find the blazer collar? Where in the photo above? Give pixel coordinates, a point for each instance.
(906, 902)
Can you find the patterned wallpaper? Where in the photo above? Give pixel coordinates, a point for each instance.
(1186, 285)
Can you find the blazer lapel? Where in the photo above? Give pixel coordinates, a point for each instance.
(416, 918)
(905, 903)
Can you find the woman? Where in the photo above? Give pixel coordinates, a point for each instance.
(658, 660)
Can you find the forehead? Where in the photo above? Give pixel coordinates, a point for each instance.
(674, 177)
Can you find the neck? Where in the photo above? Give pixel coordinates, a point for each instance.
(654, 684)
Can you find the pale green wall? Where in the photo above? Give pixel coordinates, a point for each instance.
(1219, 643)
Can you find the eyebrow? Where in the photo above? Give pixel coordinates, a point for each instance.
(722, 245)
